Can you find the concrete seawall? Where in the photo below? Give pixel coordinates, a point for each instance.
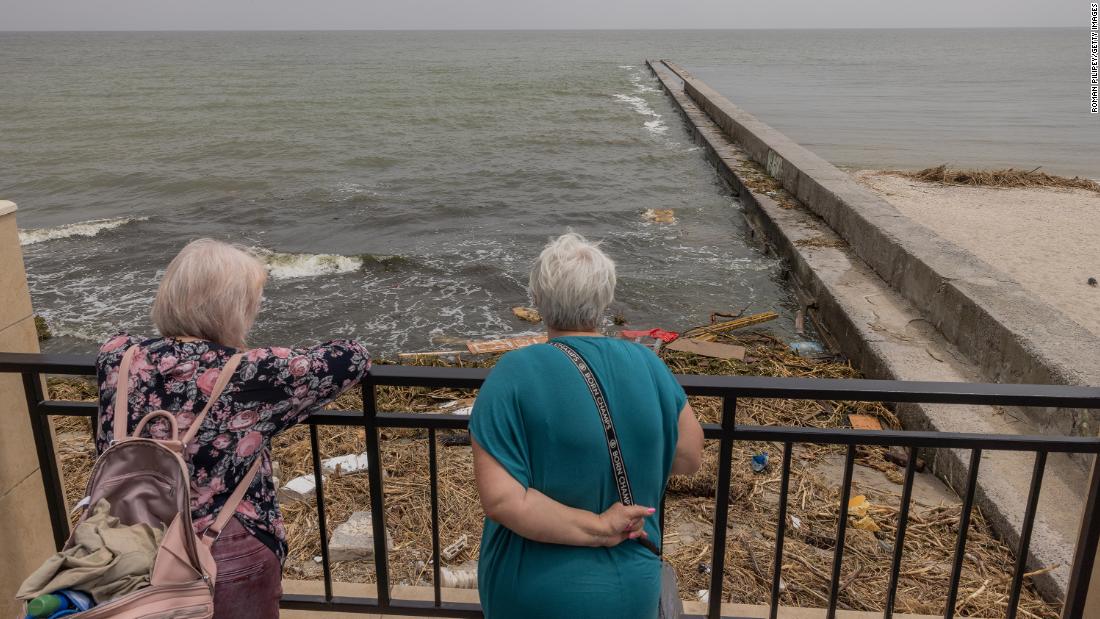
(1011, 335)
(886, 334)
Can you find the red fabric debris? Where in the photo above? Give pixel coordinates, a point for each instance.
(661, 334)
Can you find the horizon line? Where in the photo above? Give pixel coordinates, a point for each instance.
(717, 29)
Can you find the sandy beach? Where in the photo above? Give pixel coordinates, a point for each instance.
(1044, 238)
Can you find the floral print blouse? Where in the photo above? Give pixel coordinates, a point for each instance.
(271, 390)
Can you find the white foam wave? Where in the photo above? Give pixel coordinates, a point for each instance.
(291, 266)
(91, 227)
(641, 106)
(639, 85)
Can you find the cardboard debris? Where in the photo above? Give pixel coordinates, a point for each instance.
(660, 215)
(529, 314)
(864, 422)
(729, 325)
(708, 349)
(512, 343)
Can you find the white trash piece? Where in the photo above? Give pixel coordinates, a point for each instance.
(459, 576)
(453, 550)
(345, 465)
(301, 488)
(464, 411)
(354, 540)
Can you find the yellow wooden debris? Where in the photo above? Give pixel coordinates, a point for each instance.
(729, 325)
(529, 314)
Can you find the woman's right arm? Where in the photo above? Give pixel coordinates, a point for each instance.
(689, 444)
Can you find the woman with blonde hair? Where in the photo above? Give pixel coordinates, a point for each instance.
(206, 303)
(555, 428)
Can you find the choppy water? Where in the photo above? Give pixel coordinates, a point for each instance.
(460, 153)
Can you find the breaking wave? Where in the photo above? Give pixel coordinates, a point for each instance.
(641, 106)
(291, 266)
(81, 228)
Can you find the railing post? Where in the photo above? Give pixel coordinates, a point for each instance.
(722, 507)
(377, 494)
(1083, 594)
(24, 514)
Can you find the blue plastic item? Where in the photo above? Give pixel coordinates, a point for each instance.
(759, 462)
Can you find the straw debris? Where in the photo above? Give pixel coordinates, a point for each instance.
(1010, 177)
(812, 501)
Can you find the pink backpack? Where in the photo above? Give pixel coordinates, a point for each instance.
(146, 481)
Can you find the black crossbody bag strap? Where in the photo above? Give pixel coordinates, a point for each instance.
(618, 465)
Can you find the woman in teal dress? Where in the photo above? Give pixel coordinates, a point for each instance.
(557, 542)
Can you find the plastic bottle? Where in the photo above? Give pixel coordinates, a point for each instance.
(58, 604)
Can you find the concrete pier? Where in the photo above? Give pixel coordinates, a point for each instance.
(905, 304)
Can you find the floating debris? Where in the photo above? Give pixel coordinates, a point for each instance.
(660, 215)
(529, 314)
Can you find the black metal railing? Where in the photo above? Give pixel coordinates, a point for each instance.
(729, 388)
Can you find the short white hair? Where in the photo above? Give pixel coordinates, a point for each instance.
(211, 290)
(572, 283)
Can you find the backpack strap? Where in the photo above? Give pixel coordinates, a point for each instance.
(122, 394)
(224, 375)
(210, 535)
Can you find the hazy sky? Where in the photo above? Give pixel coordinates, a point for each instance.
(530, 14)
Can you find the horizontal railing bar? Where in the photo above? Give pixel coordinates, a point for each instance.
(820, 436)
(73, 365)
(67, 408)
(1054, 396)
(411, 608)
(903, 438)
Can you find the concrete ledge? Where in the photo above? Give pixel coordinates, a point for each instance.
(402, 592)
(6, 207)
(1010, 334)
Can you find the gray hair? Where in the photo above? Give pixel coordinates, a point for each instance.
(572, 283)
(211, 290)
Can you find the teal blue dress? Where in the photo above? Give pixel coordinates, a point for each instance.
(536, 417)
